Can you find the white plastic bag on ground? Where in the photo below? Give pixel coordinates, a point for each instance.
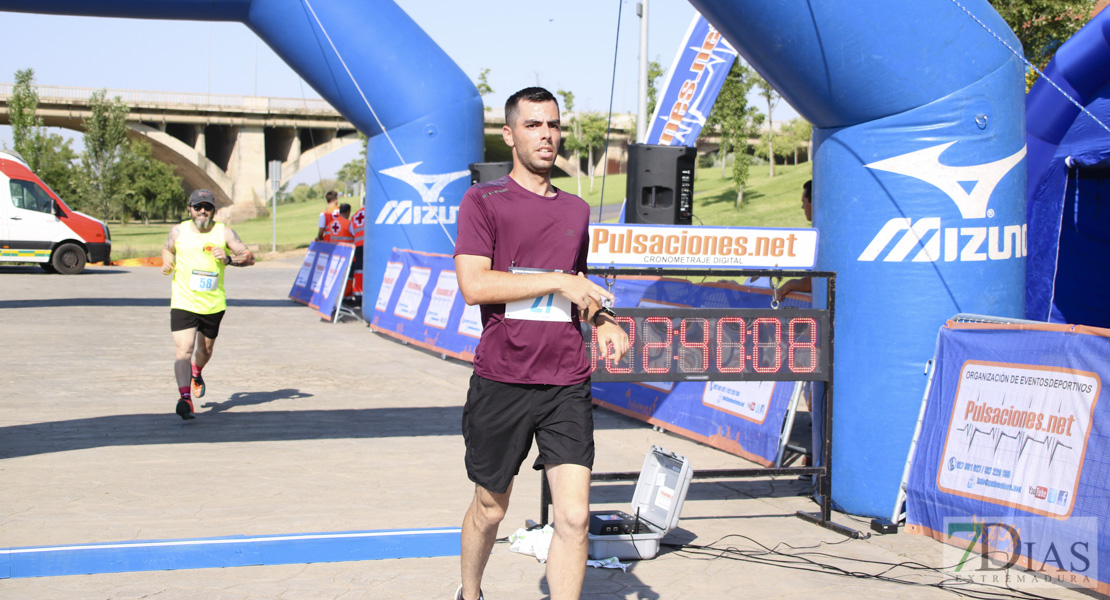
(533, 542)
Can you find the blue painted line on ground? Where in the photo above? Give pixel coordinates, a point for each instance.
(231, 551)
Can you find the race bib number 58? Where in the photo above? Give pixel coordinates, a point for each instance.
(203, 281)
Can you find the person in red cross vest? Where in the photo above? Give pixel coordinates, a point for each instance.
(358, 225)
(358, 229)
(331, 211)
(339, 230)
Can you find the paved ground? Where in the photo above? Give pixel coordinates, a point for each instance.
(310, 426)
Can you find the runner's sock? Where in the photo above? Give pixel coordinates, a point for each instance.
(185, 391)
(196, 369)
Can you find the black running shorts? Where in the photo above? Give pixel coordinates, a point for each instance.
(208, 325)
(499, 420)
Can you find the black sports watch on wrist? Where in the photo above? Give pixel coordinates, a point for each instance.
(227, 259)
(604, 310)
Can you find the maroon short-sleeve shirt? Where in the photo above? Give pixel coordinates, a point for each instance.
(515, 228)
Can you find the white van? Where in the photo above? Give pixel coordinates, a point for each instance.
(36, 226)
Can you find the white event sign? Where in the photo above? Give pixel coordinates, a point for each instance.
(702, 247)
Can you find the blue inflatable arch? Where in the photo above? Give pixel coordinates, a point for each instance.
(1068, 278)
(919, 185)
(919, 176)
(376, 66)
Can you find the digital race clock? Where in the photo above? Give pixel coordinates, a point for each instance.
(703, 344)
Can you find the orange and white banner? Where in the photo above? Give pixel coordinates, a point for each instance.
(1018, 435)
(702, 247)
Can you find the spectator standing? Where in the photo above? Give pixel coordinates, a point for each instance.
(330, 212)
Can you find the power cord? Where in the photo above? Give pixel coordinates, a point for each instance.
(801, 561)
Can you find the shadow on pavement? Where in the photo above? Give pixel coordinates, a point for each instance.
(219, 425)
(218, 422)
(125, 302)
(37, 270)
(253, 398)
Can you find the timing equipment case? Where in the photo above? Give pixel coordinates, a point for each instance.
(656, 506)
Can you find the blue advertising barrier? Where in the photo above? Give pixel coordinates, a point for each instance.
(323, 276)
(419, 302)
(1013, 451)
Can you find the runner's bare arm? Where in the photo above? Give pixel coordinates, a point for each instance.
(480, 284)
(169, 253)
(241, 255)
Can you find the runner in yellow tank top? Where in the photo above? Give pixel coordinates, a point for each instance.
(196, 252)
(198, 276)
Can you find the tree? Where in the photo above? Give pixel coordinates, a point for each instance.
(592, 133)
(572, 140)
(484, 88)
(736, 121)
(353, 174)
(798, 132)
(1042, 25)
(105, 138)
(769, 95)
(787, 139)
(655, 71)
(146, 185)
(303, 192)
(26, 125)
(56, 166)
(48, 155)
(315, 192)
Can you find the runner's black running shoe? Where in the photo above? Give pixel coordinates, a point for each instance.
(185, 408)
(197, 386)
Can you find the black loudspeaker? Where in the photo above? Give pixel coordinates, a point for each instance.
(660, 185)
(483, 172)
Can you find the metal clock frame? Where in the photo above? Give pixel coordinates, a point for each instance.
(823, 472)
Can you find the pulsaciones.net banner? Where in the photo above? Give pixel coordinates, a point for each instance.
(702, 247)
(1013, 444)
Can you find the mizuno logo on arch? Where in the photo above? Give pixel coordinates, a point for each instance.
(970, 189)
(430, 210)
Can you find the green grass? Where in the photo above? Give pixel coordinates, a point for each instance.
(767, 203)
(296, 228)
(614, 188)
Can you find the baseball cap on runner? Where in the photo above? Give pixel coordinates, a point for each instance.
(201, 197)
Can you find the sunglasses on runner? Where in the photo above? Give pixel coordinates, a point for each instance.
(205, 207)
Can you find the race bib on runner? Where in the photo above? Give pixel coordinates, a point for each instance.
(551, 307)
(204, 281)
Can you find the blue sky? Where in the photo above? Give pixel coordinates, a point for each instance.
(572, 49)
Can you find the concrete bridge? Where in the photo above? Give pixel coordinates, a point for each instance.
(623, 127)
(219, 142)
(224, 142)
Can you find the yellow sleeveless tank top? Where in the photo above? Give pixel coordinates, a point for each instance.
(198, 277)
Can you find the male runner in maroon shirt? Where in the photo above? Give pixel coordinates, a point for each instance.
(521, 255)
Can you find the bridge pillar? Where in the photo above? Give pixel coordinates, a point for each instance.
(199, 143)
(247, 168)
(294, 155)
